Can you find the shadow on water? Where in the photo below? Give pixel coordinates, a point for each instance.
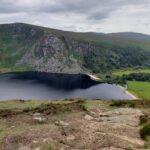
(43, 85)
(57, 80)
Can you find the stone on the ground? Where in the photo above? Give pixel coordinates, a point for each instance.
(88, 117)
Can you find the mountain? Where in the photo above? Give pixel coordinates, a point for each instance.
(43, 49)
(132, 36)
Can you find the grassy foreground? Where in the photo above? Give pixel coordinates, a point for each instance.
(140, 89)
(73, 124)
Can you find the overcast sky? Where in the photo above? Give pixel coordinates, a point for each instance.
(80, 15)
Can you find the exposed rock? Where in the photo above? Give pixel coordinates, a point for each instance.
(61, 123)
(51, 54)
(126, 116)
(125, 111)
(111, 148)
(70, 137)
(37, 148)
(24, 148)
(39, 118)
(88, 117)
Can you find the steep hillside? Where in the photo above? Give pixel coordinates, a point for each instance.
(43, 49)
(15, 41)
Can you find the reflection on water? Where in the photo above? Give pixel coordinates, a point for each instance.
(34, 85)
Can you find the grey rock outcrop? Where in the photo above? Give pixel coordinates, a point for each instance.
(51, 54)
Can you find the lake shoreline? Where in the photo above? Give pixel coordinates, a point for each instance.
(128, 92)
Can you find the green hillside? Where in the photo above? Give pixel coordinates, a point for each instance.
(38, 48)
(15, 40)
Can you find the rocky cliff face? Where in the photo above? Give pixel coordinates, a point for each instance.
(55, 54)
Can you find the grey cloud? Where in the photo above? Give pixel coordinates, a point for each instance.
(98, 16)
(64, 14)
(93, 9)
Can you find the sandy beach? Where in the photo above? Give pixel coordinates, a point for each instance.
(127, 92)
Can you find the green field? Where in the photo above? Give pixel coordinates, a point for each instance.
(140, 89)
(127, 72)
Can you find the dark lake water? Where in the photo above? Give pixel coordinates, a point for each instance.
(41, 86)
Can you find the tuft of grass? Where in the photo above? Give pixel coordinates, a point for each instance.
(132, 104)
(128, 149)
(52, 109)
(122, 104)
(47, 147)
(47, 108)
(147, 144)
(145, 131)
(144, 119)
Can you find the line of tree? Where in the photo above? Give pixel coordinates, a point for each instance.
(137, 77)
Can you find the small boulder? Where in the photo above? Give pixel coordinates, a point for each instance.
(70, 137)
(37, 117)
(24, 148)
(88, 117)
(61, 123)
